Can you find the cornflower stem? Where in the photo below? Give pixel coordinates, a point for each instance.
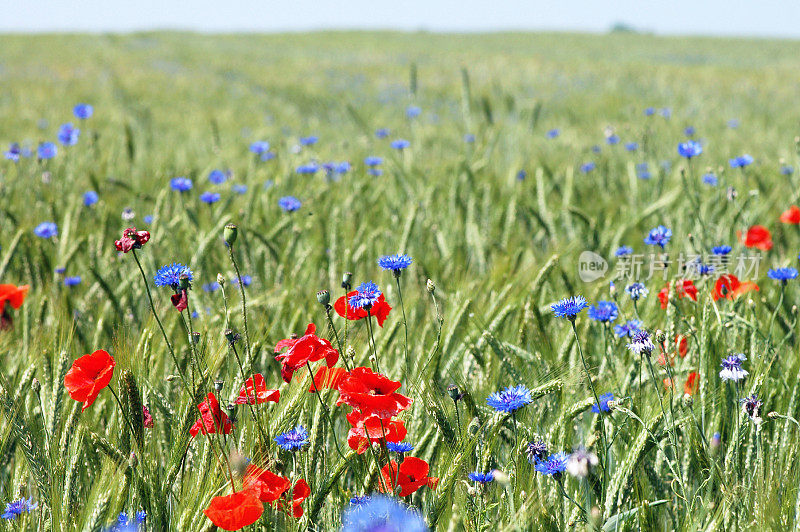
(514, 452)
(372, 341)
(405, 324)
(244, 301)
(738, 423)
(673, 436)
(672, 409)
(596, 398)
(325, 410)
(775, 314)
(560, 483)
(160, 326)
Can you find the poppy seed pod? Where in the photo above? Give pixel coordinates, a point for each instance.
(229, 335)
(184, 284)
(346, 279)
(230, 233)
(324, 297)
(218, 385)
(195, 338)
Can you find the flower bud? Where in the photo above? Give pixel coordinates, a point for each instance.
(430, 286)
(231, 408)
(184, 283)
(230, 233)
(220, 280)
(195, 338)
(218, 385)
(324, 297)
(346, 278)
(350, 352)
(688, 400)
(230, 335)
(454, 393)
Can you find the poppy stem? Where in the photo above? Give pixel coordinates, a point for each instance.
(158, 320)
(264, 434)
(244, 302)
(325, 411)
(405, 327)
(372, 340)
(336, 335)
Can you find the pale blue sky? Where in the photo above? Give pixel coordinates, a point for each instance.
(769, 18)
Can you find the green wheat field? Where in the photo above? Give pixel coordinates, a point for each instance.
(523, 152)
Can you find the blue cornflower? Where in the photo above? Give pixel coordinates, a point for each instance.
(643, 171)
(782, 274)
(482, 478)
(217, 177)
(521, 175)
(83, 111)
(596, 149)
(239, 188)
(46, 150)
(554, 465)
(307, 169)
(536, 450)
(703, 269)
(380, 513)
(181, 184)
(627, 328)
(710, 180)
(741, 161)
(637, 291)
(733, 123)
(721, 250)
(666, 112)
(640, 343)
(588, 167)
(294, 439)
(259, 147)
(358, 500)
(395, 263)
(787, 170)
(400, 144)
(210, 197)
(267, 156)
(604, 311)
(511, 399)
(689, 149)
(732, 368)
(366, 295)
(569, 307)
(72, 281)
(148, 219)
(246, 280)
(68, 134)
(412, 111)
(553, 133)
(13, 152)
(376, 172)
(632, 146)
(612, 139)
(623, 251)
(469, 138)
(658, 236)
(689, 131)
(752, 407)
(309, 141)
(90, 198)
(399, 447)
(649, 111)
(211, 287)
(15, 508)
(289, 203)
(382, 133)
(373, 160)
(60, 270)
(170, 274)
(141, 516)
(603, 406)
(46, 230)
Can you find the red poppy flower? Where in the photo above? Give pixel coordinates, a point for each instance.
(15, 296)
(791, 215)
(147, 417)
(411, 476)
(309, 348)
(691, 385)
(212, 418)
(327, 378)
(758, 237)
(682, 345)
(131, 239)
(663, 357)
(180, 300)
(663, 296)
(250, 394)
(372, 393)
(234, 511)
(88, 375)
(378, 429)
(300, 493)
(265, 484)
(667, 384)
(686, 288)
(379, 310)
(728, 286)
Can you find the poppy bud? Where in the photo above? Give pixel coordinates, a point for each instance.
(218, 385)
(346, 278)
(661, 337)
(184, 282)
(324, 297)
(195, 338)
(229, 335)
(454, 393)
(231, 408)
(430, 286)
(220, 280)
(230, 233)
(36, 385)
